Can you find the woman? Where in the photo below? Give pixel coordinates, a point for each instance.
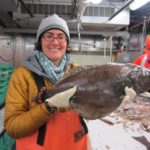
(24, 118)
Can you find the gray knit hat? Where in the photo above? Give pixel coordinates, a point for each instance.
(52, 22)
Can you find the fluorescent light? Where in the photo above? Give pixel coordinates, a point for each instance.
(137, 4)
(93, 1)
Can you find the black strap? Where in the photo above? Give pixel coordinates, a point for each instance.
(39, 81)
(83, 125)
(42, 130)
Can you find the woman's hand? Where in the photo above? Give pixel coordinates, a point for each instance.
(61, 100)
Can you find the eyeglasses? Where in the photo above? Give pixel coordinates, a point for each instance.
(50, 37)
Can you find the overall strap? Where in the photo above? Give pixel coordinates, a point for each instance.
(39, 81)
(42, 130)
(85, 128)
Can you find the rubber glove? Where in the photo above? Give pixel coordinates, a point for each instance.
(130, 94)
(61, 100)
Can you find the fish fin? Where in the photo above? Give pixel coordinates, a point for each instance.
(130, 92)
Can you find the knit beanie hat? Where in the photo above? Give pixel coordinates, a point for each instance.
(52, 22)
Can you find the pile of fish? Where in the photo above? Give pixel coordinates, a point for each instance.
(136, 110)
(101, 89)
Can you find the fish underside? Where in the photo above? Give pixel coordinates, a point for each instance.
(100, 89)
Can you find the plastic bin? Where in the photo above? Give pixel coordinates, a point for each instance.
(6, 70)
(6, 142)
(5, 74)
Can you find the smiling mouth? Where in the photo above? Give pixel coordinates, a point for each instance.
(54, 49)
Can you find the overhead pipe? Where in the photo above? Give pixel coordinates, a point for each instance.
(74, 6)
(139, 24)
(127, 4)
(27, 9)
(78, 28)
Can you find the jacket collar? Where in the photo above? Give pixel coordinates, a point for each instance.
(33, 65)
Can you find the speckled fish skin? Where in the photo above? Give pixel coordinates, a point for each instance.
(100, 89)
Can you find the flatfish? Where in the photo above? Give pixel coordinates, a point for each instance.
(101, 89)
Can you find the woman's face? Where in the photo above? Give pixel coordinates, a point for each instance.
(54, 44)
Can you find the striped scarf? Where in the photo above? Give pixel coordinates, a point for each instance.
(53, 72)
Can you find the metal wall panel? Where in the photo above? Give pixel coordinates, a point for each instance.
(7, 50)
(94, 50)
